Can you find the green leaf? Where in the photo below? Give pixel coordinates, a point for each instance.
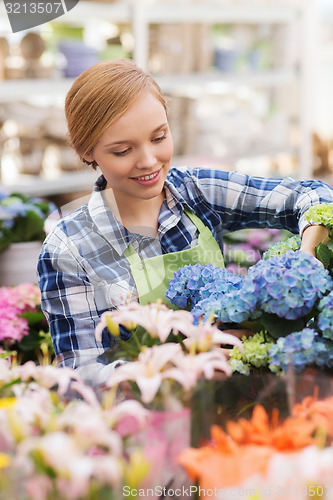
(31, 341)
(323, 254)
(28, 228)
(281, 327)
(330, 244)
(33, 318)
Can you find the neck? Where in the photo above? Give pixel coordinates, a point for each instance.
(140, 217)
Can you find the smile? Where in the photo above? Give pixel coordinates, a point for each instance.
(147, 177)
(148, 180)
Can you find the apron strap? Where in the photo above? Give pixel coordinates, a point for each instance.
(195, 219)
(138, 270)
(204, 232)
(133, 257)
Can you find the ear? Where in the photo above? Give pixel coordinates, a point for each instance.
(88, 158)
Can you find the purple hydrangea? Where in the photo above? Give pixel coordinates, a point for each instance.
(288, 285)
(300, 350)
(325, 317)
(233, 307)
(193, 283)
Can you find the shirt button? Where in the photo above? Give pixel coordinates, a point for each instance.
(140, 267)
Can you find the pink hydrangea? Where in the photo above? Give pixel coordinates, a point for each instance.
(13, 302)
(25, 296)
(12, 327)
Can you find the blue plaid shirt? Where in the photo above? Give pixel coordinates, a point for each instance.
(83, 271)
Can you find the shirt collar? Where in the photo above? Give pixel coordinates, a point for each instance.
(114, 232)
(107, 224)
(174, 199)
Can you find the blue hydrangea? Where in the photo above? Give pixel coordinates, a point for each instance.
(287, 285)
(325, 317)
(19, 209)
(194, 283)
(301, 349)
(22, 218)
(233, 307)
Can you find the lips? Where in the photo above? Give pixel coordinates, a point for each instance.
(149, 179)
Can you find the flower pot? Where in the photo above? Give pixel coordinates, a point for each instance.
(19, 262)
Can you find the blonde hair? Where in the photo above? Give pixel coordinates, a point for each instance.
(102, 94)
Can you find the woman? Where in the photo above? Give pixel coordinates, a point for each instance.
(144, 220)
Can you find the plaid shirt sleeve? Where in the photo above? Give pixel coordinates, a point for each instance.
(243, 201)
(70, 306)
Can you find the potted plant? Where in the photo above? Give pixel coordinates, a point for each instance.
(21, 235)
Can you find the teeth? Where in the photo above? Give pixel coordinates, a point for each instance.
(147, 177)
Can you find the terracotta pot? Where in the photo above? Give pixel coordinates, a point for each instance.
(19, 262)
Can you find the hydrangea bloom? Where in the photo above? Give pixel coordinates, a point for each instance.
(301, 349)
(233, 307)
(13, 302)
(281, 247)
(325, 317)
(192, 284)
(287, 285)
(255, 353)
(12, 327)
(320, 214)
(25, 296)
(22, 218)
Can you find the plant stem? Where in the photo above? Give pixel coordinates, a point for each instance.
(136, 340)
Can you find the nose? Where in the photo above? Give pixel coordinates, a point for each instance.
(146, 158)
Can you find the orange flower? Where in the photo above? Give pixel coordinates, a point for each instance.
(245, 449)
(319, 412)
(292, 434)
(225, 466)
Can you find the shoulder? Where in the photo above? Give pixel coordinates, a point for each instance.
(199, 178)
(71, 226)
(187, 173)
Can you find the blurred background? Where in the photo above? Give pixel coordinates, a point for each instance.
(249, 86)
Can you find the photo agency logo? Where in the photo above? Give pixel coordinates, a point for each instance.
(25, 14)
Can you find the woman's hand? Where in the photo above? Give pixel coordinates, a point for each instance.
(312, 236)
(239, 333)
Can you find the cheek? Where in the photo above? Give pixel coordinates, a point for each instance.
(168, 148)
(113, 168)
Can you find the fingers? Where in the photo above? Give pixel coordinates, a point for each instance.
(239, 333)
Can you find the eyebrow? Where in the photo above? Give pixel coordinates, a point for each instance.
(127, 141)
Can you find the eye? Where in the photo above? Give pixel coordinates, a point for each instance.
(160, 138)
(121, 153)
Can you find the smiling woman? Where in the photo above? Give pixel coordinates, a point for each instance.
(144, 219)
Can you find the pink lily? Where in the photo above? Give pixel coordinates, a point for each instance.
(157, 319)
(201, 338)
(127, 417)
(148, 371)
(47, 376)
(38, 487)
(189, 368)
(90, 427)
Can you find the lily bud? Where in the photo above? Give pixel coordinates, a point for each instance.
(112, 327)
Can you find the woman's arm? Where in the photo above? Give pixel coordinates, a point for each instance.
(312, 236)
(70, 304)
(244, 201)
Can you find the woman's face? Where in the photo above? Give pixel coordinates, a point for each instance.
(135, 152)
